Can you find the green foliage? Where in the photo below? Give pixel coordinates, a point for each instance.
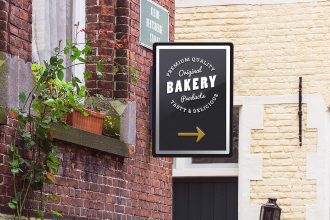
(57, 214)
(112, 126)
(130, 69)
(22, 97)
(36, 162)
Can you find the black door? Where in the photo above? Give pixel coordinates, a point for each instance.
(205, 198)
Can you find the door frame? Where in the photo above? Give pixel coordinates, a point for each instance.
(183, 167)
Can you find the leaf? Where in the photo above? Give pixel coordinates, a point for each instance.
(57, 214)
(81, 59)
(53, 158)
(134, 79)
(53, 197)
(57, 49)
(13, 150)
(60, 75)
(50, 102)
(68, 42)
(88, 74)
(14, 163)
(22, 97)
(72, 58)
(44, 125)
(85, 113)
(133, 70)
(86, 49)
(66, 50)
(26, 136)
(26, 162)
(40, 214)
(34, 67)
(15, 170)
(21, 121)
(99, 66)
(50, 176)
(75, 81)
(53, 60)
(32, 143)
(76, 52)
(37, 106)
(11, 205)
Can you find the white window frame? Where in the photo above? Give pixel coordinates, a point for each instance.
(79, 15)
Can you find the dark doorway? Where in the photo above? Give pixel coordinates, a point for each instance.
(205, 198)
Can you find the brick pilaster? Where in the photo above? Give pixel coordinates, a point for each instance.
(16, 28)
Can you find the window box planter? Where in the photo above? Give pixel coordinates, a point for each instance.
(90, 140)
(92, 123)
(87, 139)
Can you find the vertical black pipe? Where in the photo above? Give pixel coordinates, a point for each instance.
(300, 111)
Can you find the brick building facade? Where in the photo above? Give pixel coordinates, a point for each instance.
(92, 184)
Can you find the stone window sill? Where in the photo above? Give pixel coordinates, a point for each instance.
(84, 138)
(90, 140)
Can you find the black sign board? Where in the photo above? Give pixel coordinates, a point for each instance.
(192, 99)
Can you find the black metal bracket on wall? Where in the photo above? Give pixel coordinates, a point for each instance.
(300, 113)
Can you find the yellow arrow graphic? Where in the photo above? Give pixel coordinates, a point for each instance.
(199, 134)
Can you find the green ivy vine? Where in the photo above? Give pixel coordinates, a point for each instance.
(34, 158)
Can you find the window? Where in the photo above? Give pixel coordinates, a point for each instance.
(53, 21)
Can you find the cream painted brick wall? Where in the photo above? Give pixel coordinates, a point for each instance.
(284, 161)
(274, 45)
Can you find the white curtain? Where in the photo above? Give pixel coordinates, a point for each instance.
(53, 21)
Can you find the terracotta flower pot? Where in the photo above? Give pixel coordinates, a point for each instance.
(92, 123)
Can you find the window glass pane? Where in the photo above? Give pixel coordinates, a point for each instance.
(51, 24)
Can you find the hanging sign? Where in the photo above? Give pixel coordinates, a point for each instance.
(154, 23)
(192, 99)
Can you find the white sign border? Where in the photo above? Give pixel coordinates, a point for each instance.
(229, 65)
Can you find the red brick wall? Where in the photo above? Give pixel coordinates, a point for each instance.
(15, 28)
(6, 190)
(100, 16)
(92, 184)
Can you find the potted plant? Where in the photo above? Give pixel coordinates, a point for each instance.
(91, 119)
(96, 117)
